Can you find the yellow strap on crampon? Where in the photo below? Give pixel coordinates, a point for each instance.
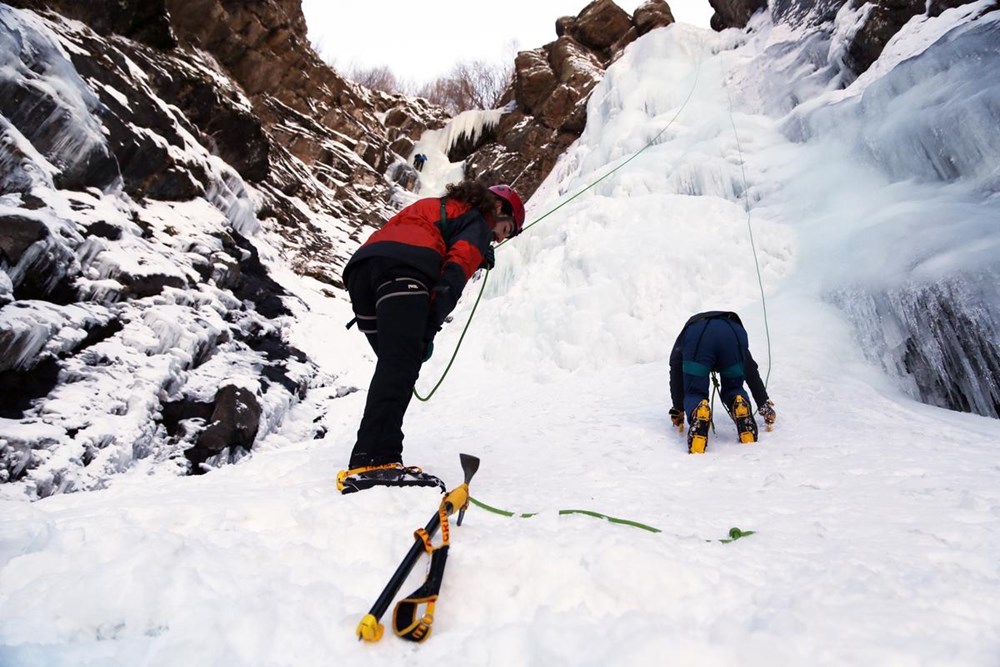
(344, 474)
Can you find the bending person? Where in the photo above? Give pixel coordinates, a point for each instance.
(715, 341)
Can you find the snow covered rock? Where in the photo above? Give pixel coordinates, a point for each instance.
(133, 221)
(869, 26)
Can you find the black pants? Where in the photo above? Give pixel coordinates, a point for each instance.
(392, 304)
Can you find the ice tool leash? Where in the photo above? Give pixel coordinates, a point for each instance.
(408, 621)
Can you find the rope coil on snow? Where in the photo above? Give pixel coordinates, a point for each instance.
(734, 532)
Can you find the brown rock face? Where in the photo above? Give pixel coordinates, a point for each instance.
(145, 21)
(550, 91)
(882, 22)
(734, 13)
(599, 25)
(652, 14)
(263, 46)
(534, 80)
(313, 117)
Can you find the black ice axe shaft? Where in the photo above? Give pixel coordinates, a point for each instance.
(370, 628)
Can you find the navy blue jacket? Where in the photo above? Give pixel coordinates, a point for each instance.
(750, 369)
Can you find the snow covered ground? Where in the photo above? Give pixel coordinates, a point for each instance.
(875, 516)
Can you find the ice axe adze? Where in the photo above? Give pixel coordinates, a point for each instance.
(405, 621)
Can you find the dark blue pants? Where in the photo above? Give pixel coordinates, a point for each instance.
(713, 345)
(392, 304)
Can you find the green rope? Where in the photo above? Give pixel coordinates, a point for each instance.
(734, 532)
(746, 207)
(596, 515)
(460, 338)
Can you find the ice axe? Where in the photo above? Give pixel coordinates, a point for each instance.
(406, 623)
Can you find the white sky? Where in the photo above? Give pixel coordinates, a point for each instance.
(420, 42)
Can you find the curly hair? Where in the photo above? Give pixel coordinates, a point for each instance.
(474, 193)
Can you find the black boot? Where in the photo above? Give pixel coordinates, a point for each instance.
(701, 420)
(389, 474)
(746, 425)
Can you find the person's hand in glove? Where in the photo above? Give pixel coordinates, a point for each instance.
(767, 412)
(489, 259)
(677, 418)
(428, 351)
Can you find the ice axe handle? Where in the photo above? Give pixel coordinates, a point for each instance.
(370, 629)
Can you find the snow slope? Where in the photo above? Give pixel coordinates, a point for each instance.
(875, 516)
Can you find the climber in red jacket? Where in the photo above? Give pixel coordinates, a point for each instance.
(403, 283)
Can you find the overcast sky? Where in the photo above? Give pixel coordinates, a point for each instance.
(420, 41)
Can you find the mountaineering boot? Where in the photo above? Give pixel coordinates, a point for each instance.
(389, 474)
(746, 425)
(701, 419)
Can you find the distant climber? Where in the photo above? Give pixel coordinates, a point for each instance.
(715, 341)
(418, 161)
(403, 282)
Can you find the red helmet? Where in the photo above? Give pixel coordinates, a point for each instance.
(509, 195)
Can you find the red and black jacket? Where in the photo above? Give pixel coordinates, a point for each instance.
(446, 251)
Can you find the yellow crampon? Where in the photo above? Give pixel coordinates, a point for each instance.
(698, 435)
(741, 415)
(344, 474)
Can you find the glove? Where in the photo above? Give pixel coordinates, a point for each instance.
(489, 259)
(767, 412)
(428, 351)
(677, 417)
